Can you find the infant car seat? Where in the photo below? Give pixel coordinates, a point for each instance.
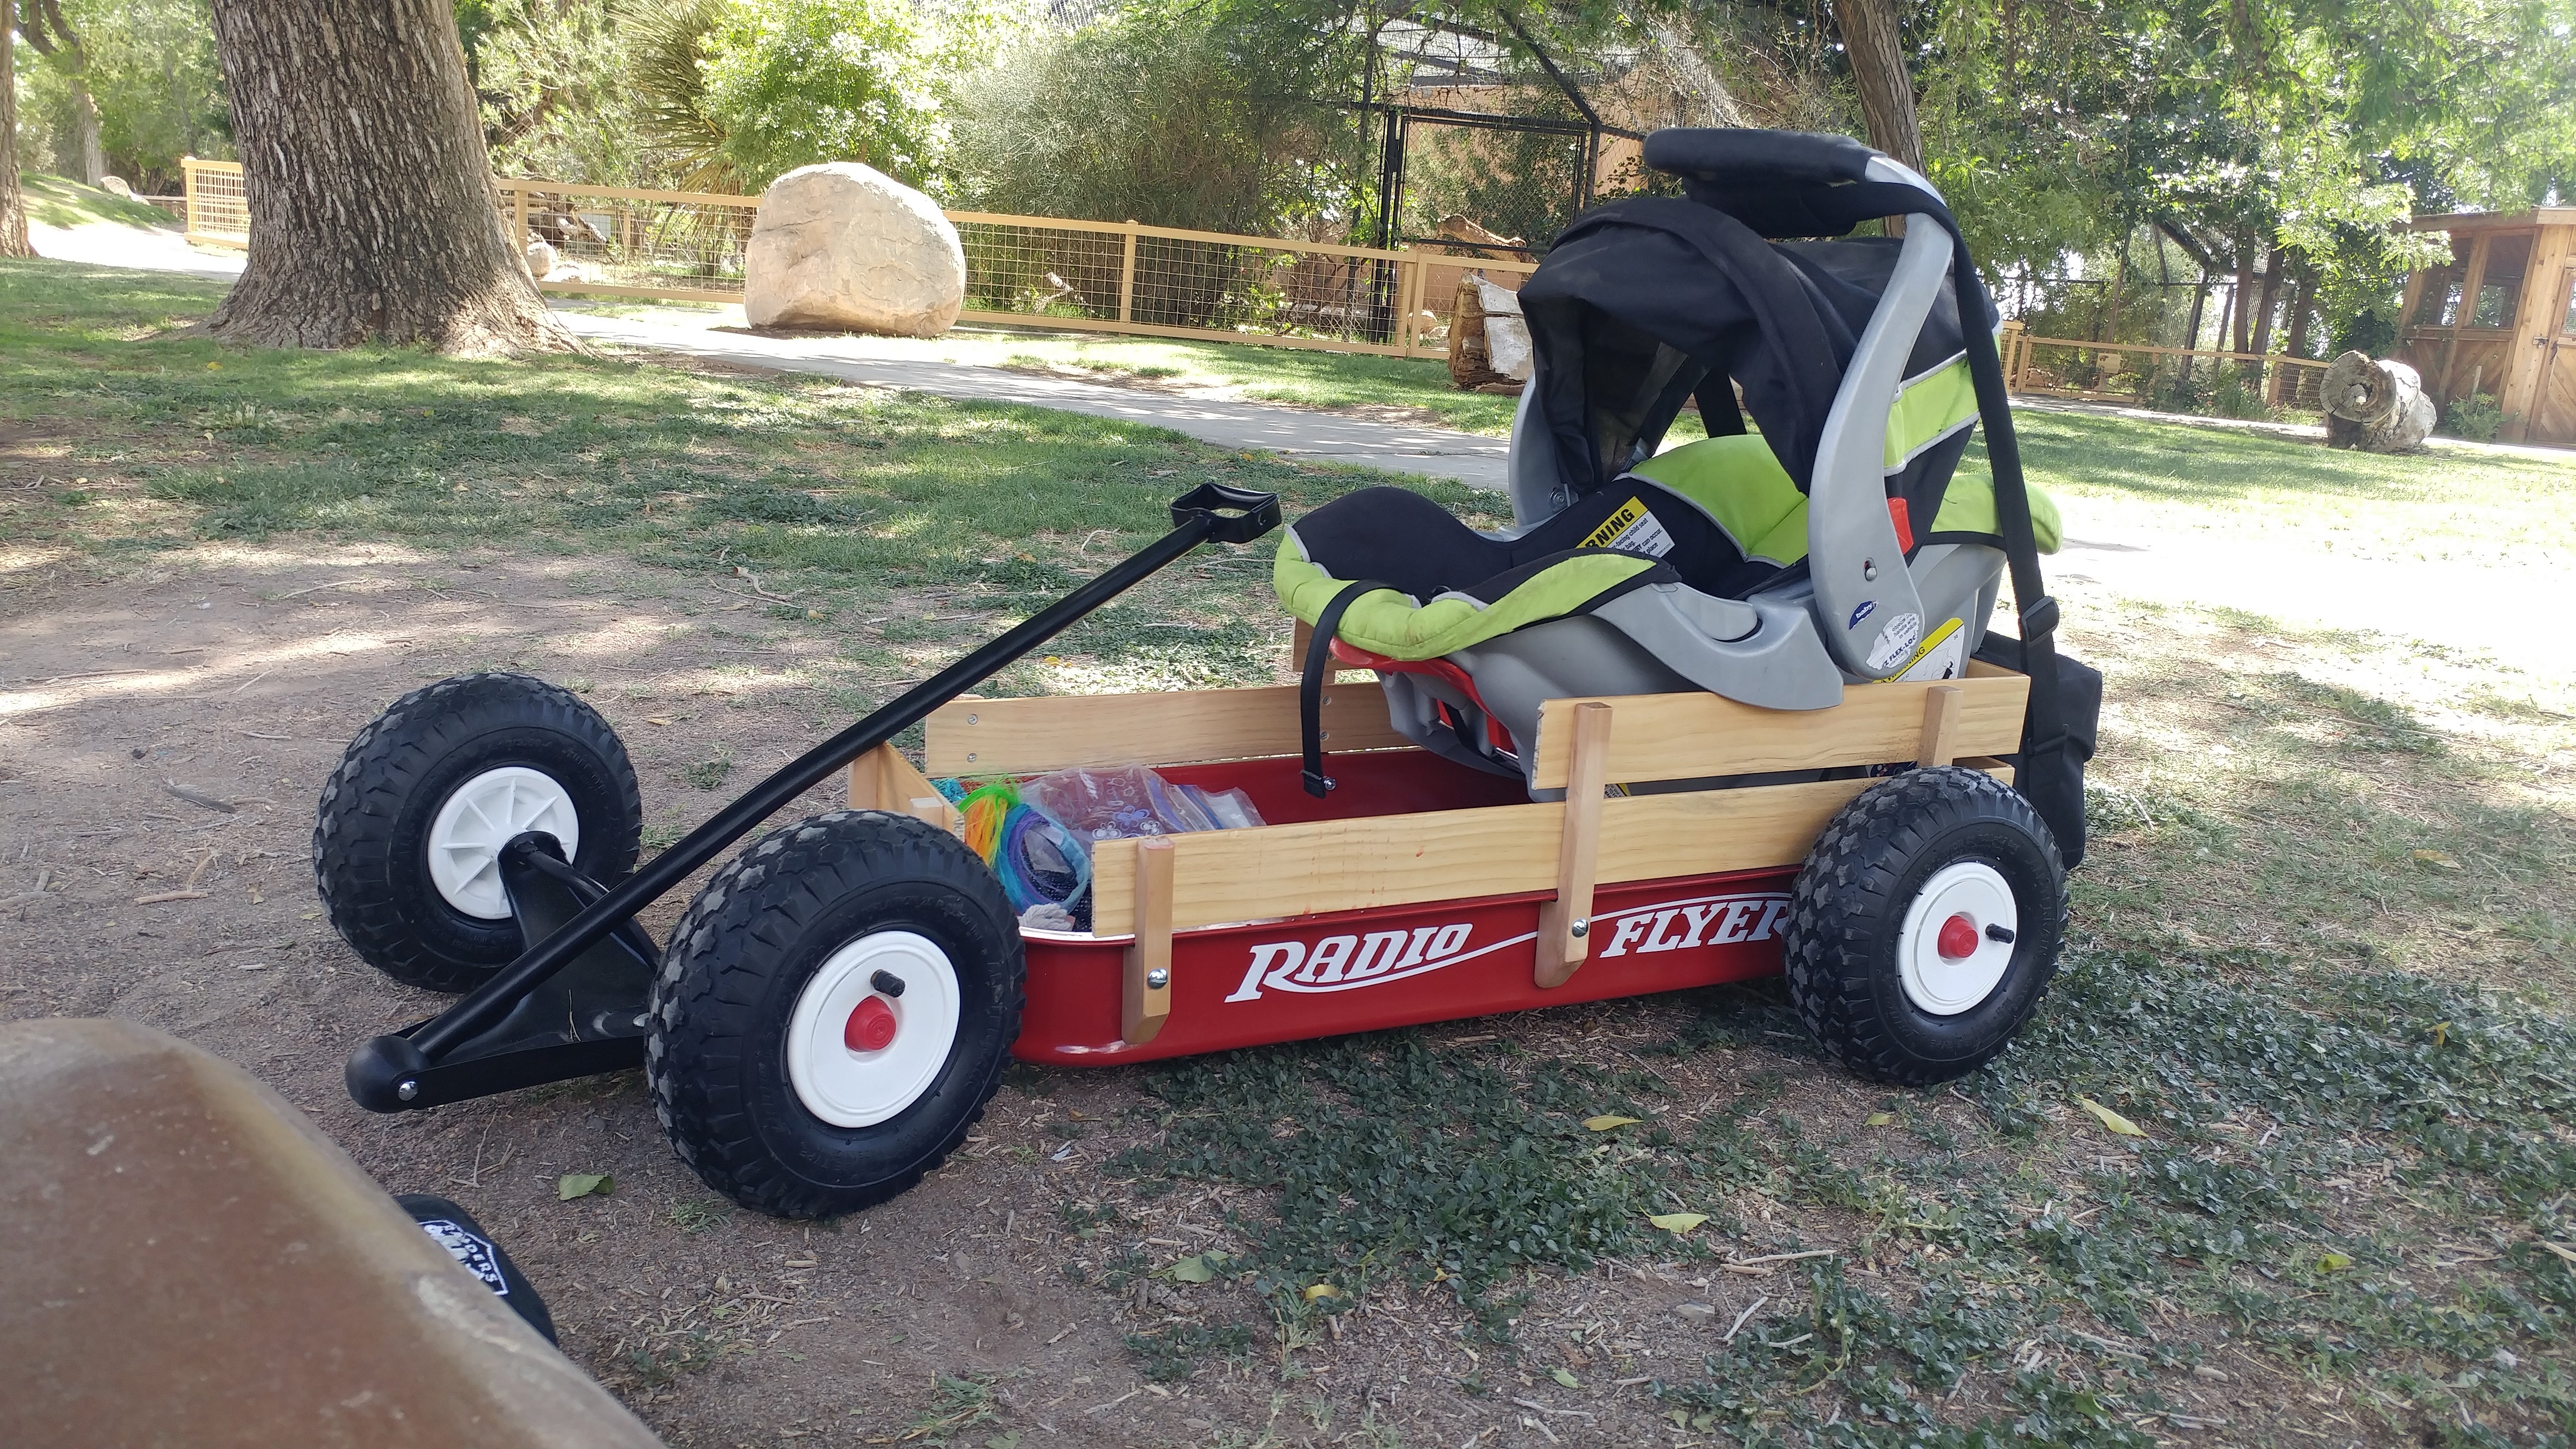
(1832, 547)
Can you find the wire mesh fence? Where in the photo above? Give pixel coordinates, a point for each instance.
(1027, 270)
(625, 241)
(218, 211)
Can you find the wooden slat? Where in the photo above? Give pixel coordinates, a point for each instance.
(882, 779)
(1018, 736)
(1039, 323)
(1143, 1005)
(1565, 924)
(1689, 736)
(1388, 860)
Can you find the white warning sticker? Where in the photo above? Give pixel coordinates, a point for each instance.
(1633, 529)
(1941, 656)
(1896, 639)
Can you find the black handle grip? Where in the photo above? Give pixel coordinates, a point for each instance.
(1233, 515)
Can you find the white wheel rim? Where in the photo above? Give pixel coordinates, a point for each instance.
(1948, 985)
(478, 818)
(850, 1087)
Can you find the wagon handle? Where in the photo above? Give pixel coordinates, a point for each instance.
(383, 1073)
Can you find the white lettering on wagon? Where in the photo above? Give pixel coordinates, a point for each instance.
(1701, 921)
(1374, 958)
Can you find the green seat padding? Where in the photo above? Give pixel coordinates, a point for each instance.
(1386, 622)
(1740, 485)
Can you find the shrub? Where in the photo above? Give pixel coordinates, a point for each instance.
(2475, 418)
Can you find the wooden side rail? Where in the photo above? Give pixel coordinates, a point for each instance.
(1687, 736)
(1221, 876)
(1055, 732)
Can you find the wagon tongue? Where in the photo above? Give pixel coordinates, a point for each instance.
(871, 1026)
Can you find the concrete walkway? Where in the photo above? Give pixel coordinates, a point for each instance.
(1397, 447)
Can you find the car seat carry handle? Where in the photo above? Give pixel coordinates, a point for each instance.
(378, 1070)
(1310, 685)
(1867, 609)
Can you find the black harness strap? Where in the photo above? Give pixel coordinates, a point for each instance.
(1310, 688)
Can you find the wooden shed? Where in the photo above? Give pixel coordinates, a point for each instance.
(2500, 318)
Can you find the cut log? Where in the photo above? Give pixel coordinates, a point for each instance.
(2378, 407)
(1489, 343)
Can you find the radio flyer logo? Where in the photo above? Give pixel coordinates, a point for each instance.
(1726, 920)
(473, 1252)
(1355, 960)
(1633, 529)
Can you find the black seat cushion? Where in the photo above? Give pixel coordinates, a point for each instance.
(1404, 539)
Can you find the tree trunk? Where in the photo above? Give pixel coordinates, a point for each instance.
(2273, 263)
(372, 211)
(1870, 41)
(2243, 300)
(13, 205)
(92, 157)
(2303, 301)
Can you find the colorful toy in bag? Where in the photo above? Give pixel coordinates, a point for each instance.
(1037, 835)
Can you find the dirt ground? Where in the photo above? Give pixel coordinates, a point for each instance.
(238, 679)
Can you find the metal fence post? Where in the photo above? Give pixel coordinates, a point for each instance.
(1127, 276)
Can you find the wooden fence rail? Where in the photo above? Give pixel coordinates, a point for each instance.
(1052, 272)
(2169, 378)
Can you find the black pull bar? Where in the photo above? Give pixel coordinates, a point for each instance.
(1209, 513)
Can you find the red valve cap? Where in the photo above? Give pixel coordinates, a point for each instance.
(871, 1027)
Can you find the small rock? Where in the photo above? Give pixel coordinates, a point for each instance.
(1696, 1312)
(2504, 1359)
(541, 258)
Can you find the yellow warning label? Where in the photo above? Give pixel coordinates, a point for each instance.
(1632, 529)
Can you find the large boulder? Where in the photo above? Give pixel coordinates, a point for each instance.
(846, 246)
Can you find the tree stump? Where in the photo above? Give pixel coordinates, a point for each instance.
(1476, 364)
(2378, 407)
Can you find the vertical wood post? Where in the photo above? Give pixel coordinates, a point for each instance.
(1145, 1003)
(1127, 276)
(519, 208)
(1940, 726)
(188, 189)
(2014, 350)
(1411, 291)
(1565, 924)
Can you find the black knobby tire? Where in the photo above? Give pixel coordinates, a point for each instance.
(1848, 911)
(716, 1058)
(370, 843)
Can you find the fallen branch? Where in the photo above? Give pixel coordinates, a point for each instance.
(169, 896)
(199, 797)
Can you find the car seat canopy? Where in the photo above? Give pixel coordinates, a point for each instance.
(1644, 304)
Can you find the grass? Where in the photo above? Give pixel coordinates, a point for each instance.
(60, 201)
(2324, 950)
(932, 521)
